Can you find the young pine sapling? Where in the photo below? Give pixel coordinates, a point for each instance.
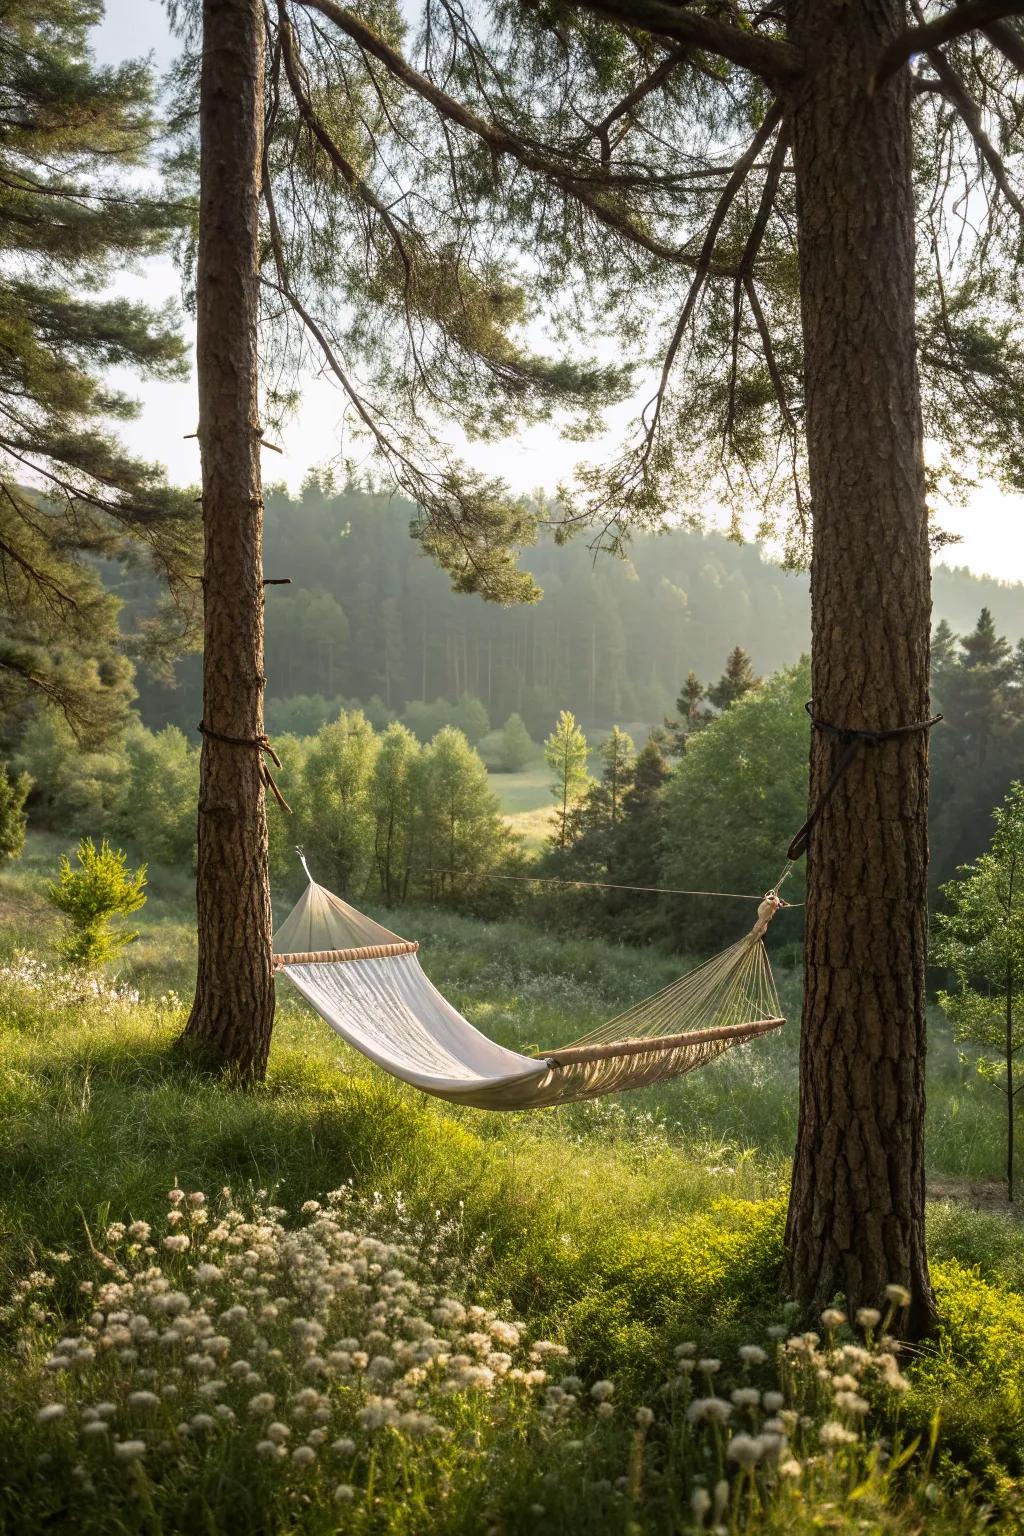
(91, 895)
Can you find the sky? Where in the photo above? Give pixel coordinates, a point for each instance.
(990, 526)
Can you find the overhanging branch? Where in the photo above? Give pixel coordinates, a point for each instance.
(766, 56)
(593, 197)
(969, 17)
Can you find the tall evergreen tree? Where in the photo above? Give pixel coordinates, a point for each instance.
(737, 679)
(71, 217)
(408, 317)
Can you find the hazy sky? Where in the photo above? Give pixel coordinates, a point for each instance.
(991, 526)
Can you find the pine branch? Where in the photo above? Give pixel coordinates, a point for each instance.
(972, 15)
(1008, 40)
(498, 139)
(959, 97)
(763, 56)
(650, 83)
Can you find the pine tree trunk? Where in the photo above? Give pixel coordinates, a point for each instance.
(234, 1004)
(856, 1219)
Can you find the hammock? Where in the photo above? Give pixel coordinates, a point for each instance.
(367, 983)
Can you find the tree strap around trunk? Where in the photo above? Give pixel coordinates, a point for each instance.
(260, 744)
(851, 741)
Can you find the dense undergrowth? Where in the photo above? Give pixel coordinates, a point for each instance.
(619, 1231)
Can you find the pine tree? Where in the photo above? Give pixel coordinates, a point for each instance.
(737, 679)
(72, 217)
(617, 754)
(302, 250)
(981, 939)
(944, 649)
(565, 752)
(692, 716)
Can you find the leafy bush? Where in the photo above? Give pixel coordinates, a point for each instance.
(73, 790)
(13, 821)
(157, 812)
(90, 897)
(517, 745)
(734, 801)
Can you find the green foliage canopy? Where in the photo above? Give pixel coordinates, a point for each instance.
(72, 215)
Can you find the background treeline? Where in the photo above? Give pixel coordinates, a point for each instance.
(379, 814)
(368, 620)
(708, 804)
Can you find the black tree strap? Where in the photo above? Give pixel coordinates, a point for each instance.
(851, 742)
(260, 744)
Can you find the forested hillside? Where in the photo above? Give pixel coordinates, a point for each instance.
(367, 616)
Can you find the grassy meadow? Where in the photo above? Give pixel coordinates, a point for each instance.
(565, 1295)
(526, 803)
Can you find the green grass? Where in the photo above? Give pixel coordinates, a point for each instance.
(526, 802)
(618, 1228)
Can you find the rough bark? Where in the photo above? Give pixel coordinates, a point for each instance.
(856, 1218)
(234, 1003)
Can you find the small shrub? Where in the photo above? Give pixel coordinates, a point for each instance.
(90, 896)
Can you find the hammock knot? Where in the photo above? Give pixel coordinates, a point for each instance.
(771, 903)
(261, 743)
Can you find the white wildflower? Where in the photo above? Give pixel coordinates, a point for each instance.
(644, 1417)
(51, 1412)
(129, 1450)
(601, 1391)
(834, 1434)
(714, 1410)
(753, 1354)
(745, 1450)
(176, 1242)
(868, 1317)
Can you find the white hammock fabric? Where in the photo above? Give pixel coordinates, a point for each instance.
(368, 985)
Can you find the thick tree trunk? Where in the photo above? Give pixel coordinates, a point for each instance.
(234, 1005)
(856, 1219)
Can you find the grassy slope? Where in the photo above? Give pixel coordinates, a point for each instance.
(619, 1226)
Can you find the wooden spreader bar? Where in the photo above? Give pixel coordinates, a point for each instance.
(575, 1054)
(329, 956)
